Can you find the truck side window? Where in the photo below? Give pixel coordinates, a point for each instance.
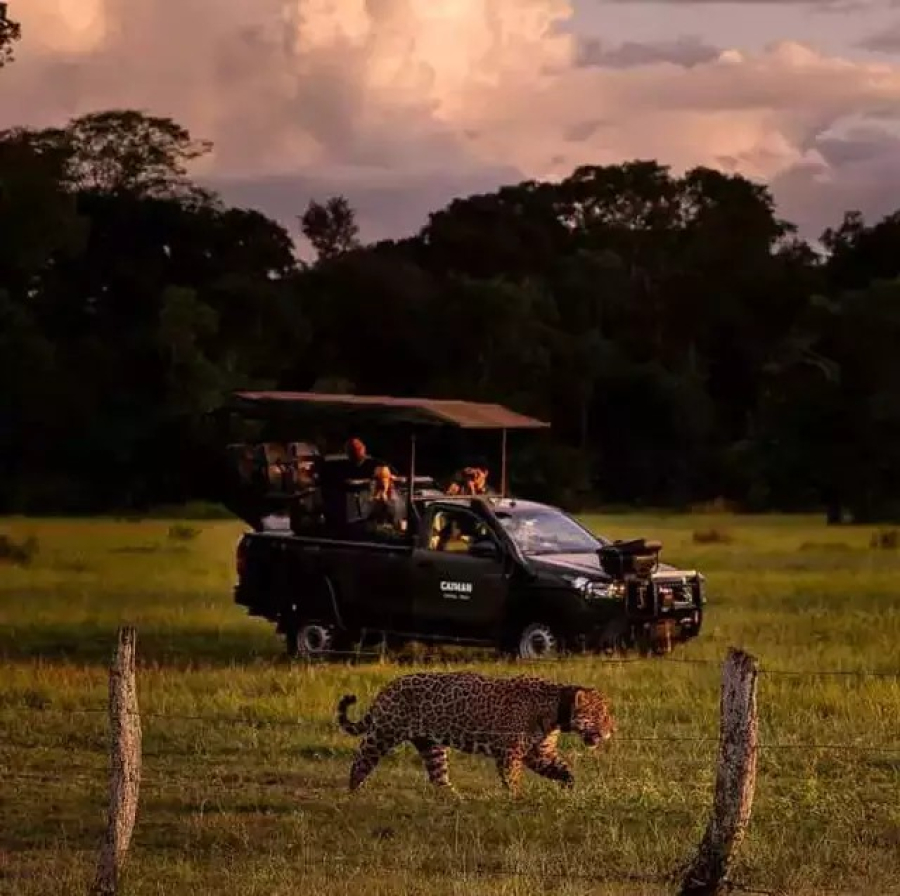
(455, 531)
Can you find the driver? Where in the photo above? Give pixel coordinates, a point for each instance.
(452, 538)
(458, 533)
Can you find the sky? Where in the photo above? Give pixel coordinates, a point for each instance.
(401, 105)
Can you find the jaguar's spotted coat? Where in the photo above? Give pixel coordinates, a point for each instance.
(516, 721)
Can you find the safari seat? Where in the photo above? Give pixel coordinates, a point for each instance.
(284, 468)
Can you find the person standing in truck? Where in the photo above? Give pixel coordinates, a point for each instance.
(359, 464)
(358, 472)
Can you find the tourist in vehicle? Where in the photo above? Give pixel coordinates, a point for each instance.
(360, 464)
(456, 532)
(469, 481)
(346, 484)
(386, 510)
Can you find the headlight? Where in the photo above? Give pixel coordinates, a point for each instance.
(591, 590)
(579, 583)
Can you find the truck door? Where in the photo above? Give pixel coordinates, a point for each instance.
(455, 592)
(372, 582)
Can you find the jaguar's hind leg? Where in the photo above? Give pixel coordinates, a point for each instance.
(434, 756)
(368, 755)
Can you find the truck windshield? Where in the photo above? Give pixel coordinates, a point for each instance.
(547, 531)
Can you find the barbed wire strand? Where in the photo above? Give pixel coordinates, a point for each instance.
(314, 723)
(165, 784)
(376, 656)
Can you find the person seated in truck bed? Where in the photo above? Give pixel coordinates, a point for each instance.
(345, 483)
(386, 509)
(469, 481)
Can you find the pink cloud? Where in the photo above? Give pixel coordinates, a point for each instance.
(381, 97)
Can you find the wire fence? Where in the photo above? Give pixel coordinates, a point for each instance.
(324, 657)
(307, 724)
(160, 780)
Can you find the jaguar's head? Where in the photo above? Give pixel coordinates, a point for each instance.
(591, 717)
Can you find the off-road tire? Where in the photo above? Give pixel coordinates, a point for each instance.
(310, 639)
(534, 641)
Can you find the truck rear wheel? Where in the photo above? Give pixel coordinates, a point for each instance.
(309, 623)
(535, 641)
(309, 639)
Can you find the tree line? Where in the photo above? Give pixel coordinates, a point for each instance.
(684, 342)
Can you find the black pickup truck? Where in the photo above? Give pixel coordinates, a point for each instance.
(490, 570)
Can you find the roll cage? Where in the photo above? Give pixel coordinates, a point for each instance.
(301, 412)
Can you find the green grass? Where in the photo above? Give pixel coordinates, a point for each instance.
(244, 784)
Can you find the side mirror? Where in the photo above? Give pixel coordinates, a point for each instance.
(485, 548)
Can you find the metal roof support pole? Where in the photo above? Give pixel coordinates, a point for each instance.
(412, 477)
(503, 464)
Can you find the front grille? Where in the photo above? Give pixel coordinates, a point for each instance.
(661, 595)
(673, 593)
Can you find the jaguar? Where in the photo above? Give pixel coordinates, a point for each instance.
(516, 721)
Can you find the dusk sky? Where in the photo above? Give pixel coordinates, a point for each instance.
(403, 104)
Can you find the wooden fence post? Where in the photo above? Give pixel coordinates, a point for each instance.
(125, 766)
(735, 778)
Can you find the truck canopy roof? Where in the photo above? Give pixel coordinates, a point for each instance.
(383, 409)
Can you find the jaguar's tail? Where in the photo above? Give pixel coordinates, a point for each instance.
(353, 728)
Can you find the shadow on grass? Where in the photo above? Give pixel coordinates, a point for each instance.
(93, 643)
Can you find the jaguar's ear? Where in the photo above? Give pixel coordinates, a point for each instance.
(546, 722)
(568, 703)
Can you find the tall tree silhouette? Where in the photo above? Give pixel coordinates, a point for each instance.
(10, 32)
(330, 227)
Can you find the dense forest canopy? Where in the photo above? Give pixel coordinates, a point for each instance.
(685, 344)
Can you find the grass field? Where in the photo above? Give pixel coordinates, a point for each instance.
(244, 785)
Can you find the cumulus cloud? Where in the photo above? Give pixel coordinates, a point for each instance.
(826, 6)
(859, 170)
(401, 104)
(885, 41)
(687, 50)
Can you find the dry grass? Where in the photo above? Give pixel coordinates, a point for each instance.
(245, 770)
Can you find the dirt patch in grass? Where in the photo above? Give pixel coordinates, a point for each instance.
(712, 536)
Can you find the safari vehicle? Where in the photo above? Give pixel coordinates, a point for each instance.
(490, 570)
